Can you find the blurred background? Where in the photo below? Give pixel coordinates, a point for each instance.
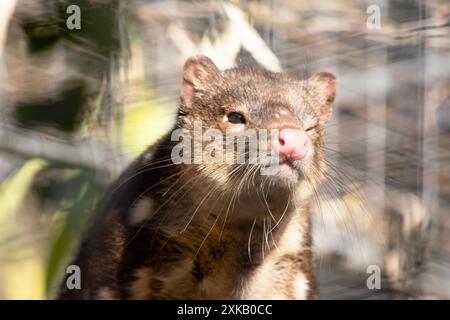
(78, 105)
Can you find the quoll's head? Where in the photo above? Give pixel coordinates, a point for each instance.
(239, 100)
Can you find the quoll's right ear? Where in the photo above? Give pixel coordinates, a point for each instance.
(323, 87)
(198, 72)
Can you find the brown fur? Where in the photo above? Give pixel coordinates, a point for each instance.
(206, 236)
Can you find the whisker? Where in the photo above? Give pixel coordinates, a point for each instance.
(250, 240)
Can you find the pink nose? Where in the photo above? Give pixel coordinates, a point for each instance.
(293, 143)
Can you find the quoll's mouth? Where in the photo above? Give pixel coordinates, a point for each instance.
(287, 160)
(287, 165)
(286, 172)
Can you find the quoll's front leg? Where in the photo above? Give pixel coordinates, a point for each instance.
(281, 278)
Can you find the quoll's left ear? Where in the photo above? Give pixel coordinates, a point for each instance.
(323, 86)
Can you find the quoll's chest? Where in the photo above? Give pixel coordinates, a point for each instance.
(225, 269)
(213, 272)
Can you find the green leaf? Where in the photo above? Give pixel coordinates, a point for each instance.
(67, 237)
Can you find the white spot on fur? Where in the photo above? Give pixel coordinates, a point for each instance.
(301, 287)
(264, 283)
(142, 211)
(105, 294)
(291, 241)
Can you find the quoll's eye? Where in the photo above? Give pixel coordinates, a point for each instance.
(236, 118)
(311, 128)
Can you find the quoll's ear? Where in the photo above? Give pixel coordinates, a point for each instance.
(198, 72)
(323, 87)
